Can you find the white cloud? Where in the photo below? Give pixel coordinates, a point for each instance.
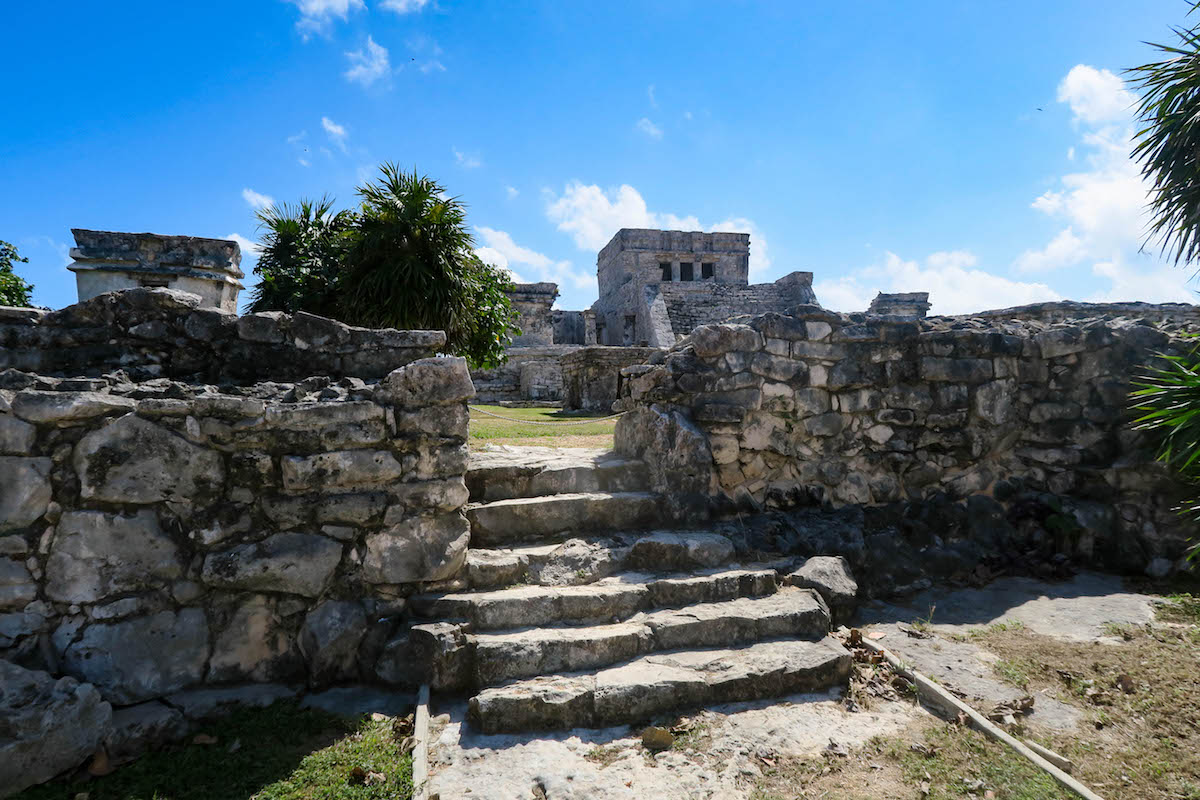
(954, 282)
(368, 64)
(467, 160)
(649, 128)
(248, 247)
(650, 94)
(1096, 95)
(316, 15)
(1103, 209)
(426, 54)
(511, 191)
(404, 6)
(500, 249)
(337, 133)
(256, 199)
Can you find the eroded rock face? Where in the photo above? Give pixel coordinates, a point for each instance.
(137, 729)
(417, 549)
(141, 658)
(330, 637)
(293, 563)
(254, 646)
(26, 494)
(95, 555)
(135, 461)
(47, 725)
(831, 578)
(17, 586)
(429, 381)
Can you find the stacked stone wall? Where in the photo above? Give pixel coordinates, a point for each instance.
(827, 409)
(152, 333)
(690, 305)
(531, 374)
(592, 376)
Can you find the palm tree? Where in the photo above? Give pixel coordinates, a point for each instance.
(301, 257)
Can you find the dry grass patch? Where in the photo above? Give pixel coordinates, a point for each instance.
(1141, 699)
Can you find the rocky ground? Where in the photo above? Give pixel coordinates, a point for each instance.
(767, 750)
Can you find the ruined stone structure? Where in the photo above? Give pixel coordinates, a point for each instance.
(592, 376)
(655, 286)
(106, 261)
(1024, 419)
(905, 304)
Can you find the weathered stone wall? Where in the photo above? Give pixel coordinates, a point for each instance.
(690, 305)
(532, 302)
(152, 333)
(592, 375)
(853, 410)
(531, 374)
(157, 536)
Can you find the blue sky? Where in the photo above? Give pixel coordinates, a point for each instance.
(974, 150)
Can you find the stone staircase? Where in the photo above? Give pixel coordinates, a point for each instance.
(578, 613)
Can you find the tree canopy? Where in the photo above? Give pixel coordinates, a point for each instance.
(14, 290)
(404, 259)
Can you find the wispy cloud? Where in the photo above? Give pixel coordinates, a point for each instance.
(248, 247)
(650, 94)
(404, 6)
(337, 133)
(317, 15)
(467, 160)
(426, 54)
(368, 64)
(649, 128)
(257, 199)
(511, 191)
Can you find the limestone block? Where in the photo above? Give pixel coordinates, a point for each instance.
(993, 401)
(1058, 342)
(417, 549)
(49, 726)
(777, 368)
(830, 576)
(413, 498)
(26, 490)
(352, 509)
(17, 587)
(95, 554)
(265, 327)
(710, 341)
(142, 658)
(313, 416)
(329, 640)
(253, 646)
(445, 421)
(341, 469)
(136, 461)
(58, 408)
(293, 563)
(16, 436)
(968, 370)
(725, 449)
(829, 424)
(138, 729)
(428, 381)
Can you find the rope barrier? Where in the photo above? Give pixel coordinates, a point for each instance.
(537, 422)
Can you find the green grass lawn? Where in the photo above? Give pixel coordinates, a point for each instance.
(276, 753)
(524, 431)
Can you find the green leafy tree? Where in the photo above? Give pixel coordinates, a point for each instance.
(405, 259)
(300, 263)
(412, 265)
(14, 290)
(1167, 146)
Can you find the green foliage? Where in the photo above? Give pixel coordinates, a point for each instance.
(14, 290)
(1167, 400)
(412, 266)
(1167, 143)
(301, 259)
(404, 260)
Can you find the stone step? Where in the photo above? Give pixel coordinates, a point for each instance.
(792, 613)
(589, 559)
(504, 473)
(526, 519)
(660, 683)
(609, 599)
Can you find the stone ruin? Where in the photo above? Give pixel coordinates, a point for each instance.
(200, 510)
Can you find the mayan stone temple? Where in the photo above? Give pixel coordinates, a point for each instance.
(202, 510)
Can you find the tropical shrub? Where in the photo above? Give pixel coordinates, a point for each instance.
(14, 290)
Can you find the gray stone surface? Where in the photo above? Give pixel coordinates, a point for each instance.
(47, 726)
(67, 407)
(136, 461)
(197, 704)
(26, 483)
(525, 518)
(293, 563)
(355, 701)
(17, 586)
(142, 658)
(417, 549)
(254, 645)
(830, 576)
(330, 637)
(95, 555)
